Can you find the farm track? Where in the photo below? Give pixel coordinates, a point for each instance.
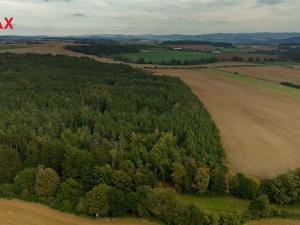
(15, 212)
(259, 131)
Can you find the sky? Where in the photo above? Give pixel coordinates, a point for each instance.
(74, 17)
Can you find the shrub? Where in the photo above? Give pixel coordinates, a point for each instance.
(244, 187)
(230, 219)
(7, 191)
(261, 207)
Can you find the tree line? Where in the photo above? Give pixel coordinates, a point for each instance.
(103, 49)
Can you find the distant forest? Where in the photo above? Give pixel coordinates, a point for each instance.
(103, 49)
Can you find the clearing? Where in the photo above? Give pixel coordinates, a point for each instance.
(14, 212)
(259, 131)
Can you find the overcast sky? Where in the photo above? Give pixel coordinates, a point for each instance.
(63, 17)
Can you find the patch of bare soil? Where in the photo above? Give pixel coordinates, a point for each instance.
(14, 212)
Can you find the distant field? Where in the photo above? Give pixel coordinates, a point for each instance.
(14, 212)
(276, 74)
(9, 46)
(193, 47)
(166, 56)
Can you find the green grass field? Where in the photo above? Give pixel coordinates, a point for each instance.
(216, 204)
(8, 46)
(166, 56)
(226, 203)
(271, 86)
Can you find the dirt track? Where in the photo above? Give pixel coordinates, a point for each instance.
(14, 212)
(272, 73)
(260, 129)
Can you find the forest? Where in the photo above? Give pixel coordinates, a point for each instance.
(73, 130)
(103, 49)
(109, 140)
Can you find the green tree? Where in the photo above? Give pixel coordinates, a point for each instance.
(219, 182)
(244, 187)
(25, 181)
(79, 165)
(201, 180)
(10, 164)
(117, 202)
(97, 200)
(121, 180)
(46, 183)
(69, 194)
(261, 207)
(178, 174)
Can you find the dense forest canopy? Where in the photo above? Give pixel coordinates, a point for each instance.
(110, 140)
(80, 117)
(103, 49)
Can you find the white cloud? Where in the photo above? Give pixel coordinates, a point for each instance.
(150, 16)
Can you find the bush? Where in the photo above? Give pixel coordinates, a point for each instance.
(243, 187)
(261, 207)
(8, 191)
(230, 219)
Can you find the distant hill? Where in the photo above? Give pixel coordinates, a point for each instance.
(250, 38)
(295, 40)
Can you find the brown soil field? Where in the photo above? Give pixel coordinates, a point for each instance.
(272, 73)
(259, 129)
(14, 212)
(253, 48)
(245, 57)
(193, 47)
(275, 222)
